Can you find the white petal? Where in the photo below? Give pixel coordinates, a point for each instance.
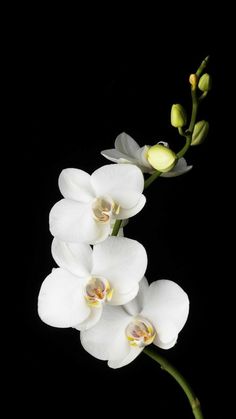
(75, 257)
(135, 306)
(140, 160)
(166, 305)
(181, 164)
(121, 260)
(162, 345)
(121, 353)
(127, 199)
(61, 301)
(115, 156)
(98, 340)
(180, 168)
(128, 213)
(117, 177)
(94, 317)
(126, 144)
(76, 184)
(119, 298)
(72, 221)
(164, 143)
(140, 155)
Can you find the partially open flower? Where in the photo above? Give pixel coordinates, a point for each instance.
(161, 158)
(92, 203)
(74, 294)
(156, 315)
(127, 150)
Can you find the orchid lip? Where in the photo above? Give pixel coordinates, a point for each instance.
(104, 209)
(97, 291)
(140, 332)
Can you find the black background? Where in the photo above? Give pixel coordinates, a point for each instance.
(81, 96)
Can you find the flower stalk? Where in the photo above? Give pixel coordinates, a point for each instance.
(188, 133)
(151, 179)
(116, 228)
(195, 103)
(168, 367)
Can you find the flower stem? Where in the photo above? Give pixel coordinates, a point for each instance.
(166, 365)
(116, 227)
(181, 131)
(188, 133)
(186, 146)
(204, 94)
(151, 179)
(202, 66)
(194, 110)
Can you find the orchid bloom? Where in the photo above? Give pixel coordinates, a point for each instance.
(73, 295)
(156, 315)
(92, 203)
(127, 150)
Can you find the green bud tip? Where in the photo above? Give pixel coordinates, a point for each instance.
(161, 158)
(178, 116)
(200, 132)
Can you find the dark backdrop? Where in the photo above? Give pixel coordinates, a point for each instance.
(81, 97)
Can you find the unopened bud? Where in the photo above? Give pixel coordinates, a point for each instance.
(178, 116)
(161, 158)
(193, 79)
(205, 83)
(200, 132)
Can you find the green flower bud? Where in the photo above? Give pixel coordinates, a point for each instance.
(200, 132)
(193, 80)
(205, 83)
(178, 116)
(161, 158)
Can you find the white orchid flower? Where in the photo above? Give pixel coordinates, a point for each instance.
(74, 294)
(127, 150)
(91, 203)
(122, 334)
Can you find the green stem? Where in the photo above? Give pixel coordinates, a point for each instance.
(151, 179)
(194, 110)
(188, 133)
(183, 150)
(116, 228)
(195, 103)
(181, 131)
(202, 66)
(202, 96)
(166, 365)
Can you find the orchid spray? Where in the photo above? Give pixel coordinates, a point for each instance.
(99, 287)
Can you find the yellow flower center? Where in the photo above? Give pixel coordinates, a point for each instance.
(140, 332)
(104, 208)
(97, 290)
